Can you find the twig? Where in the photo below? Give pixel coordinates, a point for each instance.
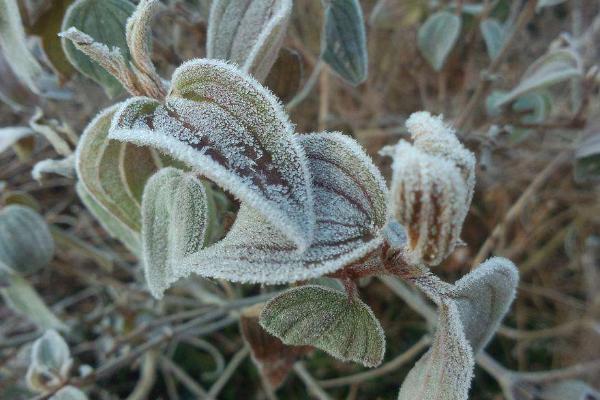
(516, 209)
(311, 384)
(485, 83)
(388, 367)
(147, 377)
(184, 378)
(235, 362)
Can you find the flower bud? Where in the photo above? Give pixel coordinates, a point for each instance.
(432, 187)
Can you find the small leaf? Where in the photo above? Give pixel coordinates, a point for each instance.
(326, 319)
(587, 159)
(175, 214)
(248, 33)
(493, 34)
(226, 125)
(550, 69)
(51, 353)
(286, 75)
(344, 45)
(273, 358)
(107, 26)
(437, 37)
(11, 135)
(483, 297)
(351, 211)
(445, 371)
(64, 167)
(69, 393)
(538, 103)
(23, 299)
(26, 244)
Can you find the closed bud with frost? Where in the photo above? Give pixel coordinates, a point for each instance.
(432, 187)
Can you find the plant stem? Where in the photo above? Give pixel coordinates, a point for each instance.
(311, 384)
(235, 362)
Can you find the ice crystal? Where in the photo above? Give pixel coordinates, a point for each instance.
(232, 130)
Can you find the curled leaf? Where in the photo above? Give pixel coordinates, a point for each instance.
(175, 213)
(26, 244)
(11, 135)
(248, 33)
(64, 167)
(107, 26)
(351, 211)
(51, 353)
(326, 319)
(437, 37)
(233, 131)
(344, 45)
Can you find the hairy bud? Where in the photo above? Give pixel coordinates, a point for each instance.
(432, 187)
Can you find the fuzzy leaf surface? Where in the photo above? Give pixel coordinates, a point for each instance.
(351, 211)
(445, 371)
(437, 37)
(26, 244)
(175, 213)
(483, 297)
(105, 22)
(248, 33)
(324, 318)
(224, 124)
(345, 41)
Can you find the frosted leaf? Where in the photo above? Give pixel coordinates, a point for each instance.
(344, 45)
(445, 371)
(437, 37)
(64, 167)
(233, 131)
(175, 212)
(350, 197)
(117, 229)
(326, 319)
(113, 173)
(248, 33)
(434, 137)
(552, 68)
(69, 393)
(11, 135)
(483, 297)
(273, 358)
(51, 353)
(22, 298)
(14, 46)
(428, 196)
(26, 244)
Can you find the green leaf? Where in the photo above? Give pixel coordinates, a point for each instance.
(51, 353)
(547, 3)
(538, 103)
(233, 131)
(23, 299)
(112, 176)
(26, 244)
(13, 45)
(351, 211)
(326, 319)
(552, 68)
(493, 34)
(437, 37)
(105, 22)
(483, 297)
(248, 33)
(587, 159)
(175, 213)
(445, 371)
(344, 45)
